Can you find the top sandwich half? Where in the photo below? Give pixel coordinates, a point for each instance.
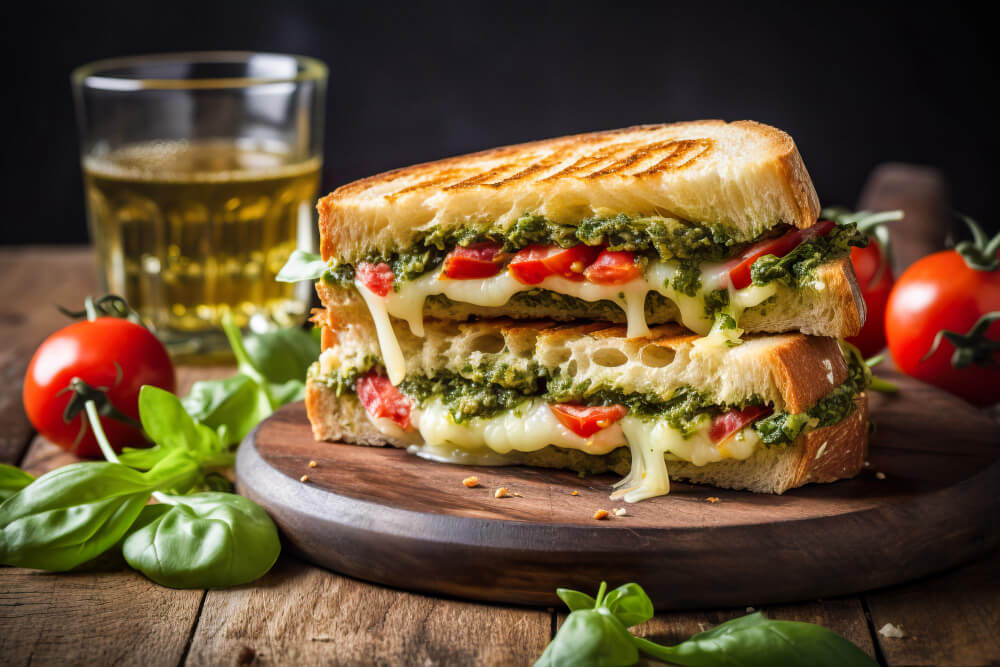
(709, 224)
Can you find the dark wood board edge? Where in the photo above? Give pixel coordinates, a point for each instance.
(496, 560)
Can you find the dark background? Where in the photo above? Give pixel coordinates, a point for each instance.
(855, 86)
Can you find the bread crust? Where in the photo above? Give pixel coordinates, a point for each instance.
(744, 176)
(819, 456)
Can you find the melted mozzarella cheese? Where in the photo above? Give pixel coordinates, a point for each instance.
(532, 427)
(407, 303)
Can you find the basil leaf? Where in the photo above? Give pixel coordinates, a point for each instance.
(590, 637)
(12, 480)
(282, 355)
(171, 428)
(206, 540)
(230, 404)
(575, 600)
(756, 641)
(302, 265)
(71, 515)
(629, 604)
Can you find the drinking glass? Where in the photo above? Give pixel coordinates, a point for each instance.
(201, 172)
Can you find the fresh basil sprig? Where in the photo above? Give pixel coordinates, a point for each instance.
(12, 480)
(596, 633)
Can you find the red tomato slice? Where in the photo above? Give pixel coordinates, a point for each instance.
(535, 263)
(381, 399)
(739, 274)
(479, 260)
(613, 267)
(728, 423)
(585, 420)
(376, 277)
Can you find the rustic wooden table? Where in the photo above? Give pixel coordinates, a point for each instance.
(300, 614)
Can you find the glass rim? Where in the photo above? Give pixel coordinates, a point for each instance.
(89, 75)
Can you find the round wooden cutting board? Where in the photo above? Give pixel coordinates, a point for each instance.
(386, 516)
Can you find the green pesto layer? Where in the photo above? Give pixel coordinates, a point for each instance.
(651, 237)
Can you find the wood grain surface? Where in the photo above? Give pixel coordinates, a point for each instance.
(383, 515)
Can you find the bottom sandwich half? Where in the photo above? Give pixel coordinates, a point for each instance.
(768, 414)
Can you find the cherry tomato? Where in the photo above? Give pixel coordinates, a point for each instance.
(585, 420)
(942, 292)
(376, 277)
(728, 423)
(535, 263)
(382, 400)
(613, 267)
(739, 274)
(108, 353)
(479, 260)
(875, 279)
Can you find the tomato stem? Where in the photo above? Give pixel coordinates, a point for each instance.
(981, 253)
(102, 439)
(970, 348)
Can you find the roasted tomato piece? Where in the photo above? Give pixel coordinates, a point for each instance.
(586, 420)
(779, 247)
(613, 267)
(479, 260)
(728, 423)
(381, 399)
(535, 263)
(376, 277)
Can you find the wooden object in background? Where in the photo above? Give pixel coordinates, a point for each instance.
(383, 515)
(922, 194)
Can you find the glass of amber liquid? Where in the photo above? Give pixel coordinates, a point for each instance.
(201, 173)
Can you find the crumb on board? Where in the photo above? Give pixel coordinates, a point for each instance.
(504, 492)
(601, 515)
(304, 478)
(470, 482)
(574, 493)
(892, 631)
(880, 475)
(867, 464)
(712, 499)
(620, 511)
(313, 464)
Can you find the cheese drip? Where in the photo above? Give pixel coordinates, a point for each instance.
(407, 303)
(533, 426)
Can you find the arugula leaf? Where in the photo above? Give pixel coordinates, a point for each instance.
(302, 265)
(12, 480)
(205, 540)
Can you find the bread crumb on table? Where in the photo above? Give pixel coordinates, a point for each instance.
(470, 482)
(313, 464)
(574, 493)
(712, 499)
(880, 475)
(620, 511)
(892, 631)
(601, 515)
(504, 492)
(304, 478)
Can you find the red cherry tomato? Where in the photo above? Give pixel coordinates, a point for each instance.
(739, 274)
(728, 423)
(108, 353)
(613, 267)
(584, 420)
(875, 279)
(376, 277)
(535, 263)
(941, 292)
(381, 399)
(479, 260)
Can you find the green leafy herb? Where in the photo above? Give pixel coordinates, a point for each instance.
(302, 265)
(12, 480)
(204, 540)
(796, 267)
(596, 633)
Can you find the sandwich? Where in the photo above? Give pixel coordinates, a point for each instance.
(770, 414)
(709, 224)
(661, 302)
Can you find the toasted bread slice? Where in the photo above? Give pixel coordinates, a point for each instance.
(744, 177)
(821, 455)
(788, 371)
